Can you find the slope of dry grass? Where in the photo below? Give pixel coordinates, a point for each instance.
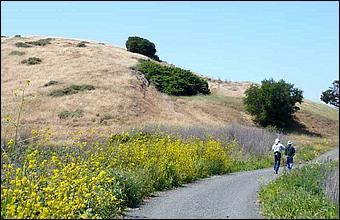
(122, 98)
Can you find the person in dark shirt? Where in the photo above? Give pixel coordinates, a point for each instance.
(289, 152)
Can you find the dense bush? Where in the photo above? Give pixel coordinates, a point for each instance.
(173, 80)
(141, 46)
(51, 82)
(81, 44)
(73, 89)
(32, 61)
(41, 42)
(70, 114)
(22, 44)
(272, 103)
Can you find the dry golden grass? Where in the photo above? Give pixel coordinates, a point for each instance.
(120, 93)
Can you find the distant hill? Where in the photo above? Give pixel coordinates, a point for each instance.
(121, 97)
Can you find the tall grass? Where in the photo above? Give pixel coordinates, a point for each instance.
(331, 185)
(301, 194)
(254, 141)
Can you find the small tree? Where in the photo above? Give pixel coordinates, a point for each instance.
(272, 103)
(141, 46)
(331, 95)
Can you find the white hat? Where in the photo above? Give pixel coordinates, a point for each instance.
(289, 142)
(277, 141)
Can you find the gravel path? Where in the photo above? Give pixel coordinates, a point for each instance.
(232, 195)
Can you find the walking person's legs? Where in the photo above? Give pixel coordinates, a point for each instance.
(277, 162)
(290, 163)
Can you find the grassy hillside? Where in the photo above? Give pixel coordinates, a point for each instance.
(121, 97)
(83, 91)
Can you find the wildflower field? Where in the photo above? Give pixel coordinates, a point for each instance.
(97, 180)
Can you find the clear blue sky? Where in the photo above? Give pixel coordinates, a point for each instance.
(238, 41)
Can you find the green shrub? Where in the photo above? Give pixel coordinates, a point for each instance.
(299, 194)
(173, 80)
(18, 35)
(307, 153)
(32, 61)
(16, 52)
(41, 42)
(272, 103)
(105, 117)
(135, 186)
(22, 44)
(70, 114)
(51, 82)
(141, 46)
(81, 44)
(73, 89)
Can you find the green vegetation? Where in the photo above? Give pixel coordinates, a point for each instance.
(141, 46)
(22, 44)
(17, 53)
(51, 82)
(253, 163)
(18, 35)
(105, 117)
(173, 80)
(81, 44)
(331, 95)
(300, 194)
(41, 42)
(70, 114)
(92, 179)
(32, 61)
(307, 153)
(73, 89)
(273, 103)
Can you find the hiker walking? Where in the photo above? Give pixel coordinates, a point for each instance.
(277, 148)
(289, 152)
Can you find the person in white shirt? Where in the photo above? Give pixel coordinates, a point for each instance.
(277, 148)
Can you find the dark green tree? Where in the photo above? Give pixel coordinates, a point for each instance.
(273, 103)
(142, 46)
(331, 95)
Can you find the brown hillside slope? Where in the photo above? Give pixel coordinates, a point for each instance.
(121, 99)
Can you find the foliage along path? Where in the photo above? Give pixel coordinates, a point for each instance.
(233, 195)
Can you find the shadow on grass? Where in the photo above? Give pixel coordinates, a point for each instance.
(297, 127)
